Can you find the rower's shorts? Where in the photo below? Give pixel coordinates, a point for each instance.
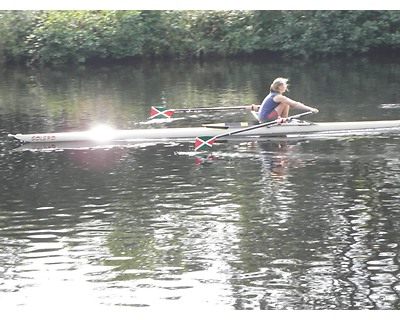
(271, 117)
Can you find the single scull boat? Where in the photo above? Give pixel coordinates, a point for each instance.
(300, 127)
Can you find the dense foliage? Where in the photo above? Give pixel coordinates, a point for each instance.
(59, 37)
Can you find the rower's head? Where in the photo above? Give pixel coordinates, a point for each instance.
(279, 85)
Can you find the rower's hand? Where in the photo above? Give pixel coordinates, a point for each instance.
(281, 120)
(253, 107)
(314, 110)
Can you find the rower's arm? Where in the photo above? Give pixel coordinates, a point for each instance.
(296, 104)
(302, 106)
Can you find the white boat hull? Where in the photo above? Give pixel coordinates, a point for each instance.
(191, 133)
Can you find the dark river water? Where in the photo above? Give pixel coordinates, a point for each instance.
(311, 223)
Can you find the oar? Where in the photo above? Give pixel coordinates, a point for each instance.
(163, 112)
(206, 142)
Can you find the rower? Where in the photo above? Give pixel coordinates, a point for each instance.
(276, 105)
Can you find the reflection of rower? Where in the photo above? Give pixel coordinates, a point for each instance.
(274, 159)
(279, 155)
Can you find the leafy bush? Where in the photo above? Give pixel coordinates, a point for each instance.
(322, 33)
(15, 27)
(61, 37)
(77, 36)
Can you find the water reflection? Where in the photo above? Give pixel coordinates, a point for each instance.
(314, 264)
(255, 237)
(276, 224)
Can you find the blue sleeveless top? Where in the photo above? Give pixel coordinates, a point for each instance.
(267, 107)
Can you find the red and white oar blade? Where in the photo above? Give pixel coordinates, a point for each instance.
(160, 113)
(204, 143)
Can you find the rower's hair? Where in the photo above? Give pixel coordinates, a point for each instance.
(277, 82)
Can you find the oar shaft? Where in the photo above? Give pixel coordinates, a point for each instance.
(164, 112)
(215, 109)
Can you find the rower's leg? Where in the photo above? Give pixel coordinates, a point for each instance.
(283, 110)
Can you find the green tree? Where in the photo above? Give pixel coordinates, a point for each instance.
(62, 37)
(15, 26)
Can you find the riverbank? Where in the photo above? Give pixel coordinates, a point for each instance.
(80, 37)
